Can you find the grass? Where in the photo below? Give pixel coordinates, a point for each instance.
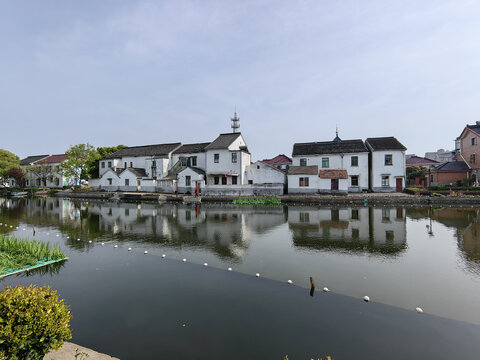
(258, 201)
(16, 254)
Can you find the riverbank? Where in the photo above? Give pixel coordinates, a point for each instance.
(374, 199)
(74, 351)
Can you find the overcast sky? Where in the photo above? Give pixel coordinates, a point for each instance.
(149, 72)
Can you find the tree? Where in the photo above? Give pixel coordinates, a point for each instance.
(17, 174)
(34, 320)
(7, 161)
(416, 171)
(78, 158)
(92, 169)
(40, 171)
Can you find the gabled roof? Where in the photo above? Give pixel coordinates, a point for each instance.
(191, 148)
(333, 174)
(53, 159)
(139, 172)
(194, 169)
(279, 159)
(474, 128)
(452, 166)
(270, 166)
(420, 161)
(31, 159)
(303, 170)
(329, 147)
(223, 141)
(160, 150)
(384, 143)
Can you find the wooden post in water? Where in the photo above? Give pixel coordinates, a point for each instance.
(312, 286)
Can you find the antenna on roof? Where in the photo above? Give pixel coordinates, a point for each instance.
(337, 139)
(235, 121)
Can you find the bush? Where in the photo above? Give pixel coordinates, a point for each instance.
(258, 201)
(32, 322)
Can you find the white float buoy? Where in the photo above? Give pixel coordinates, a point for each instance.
(229, 269)
(290, 281)
(366, 298)
(78, 239)
(116, 246)
(68, 237)
(89, 241)
(57, 235)
(163, 255)
(205, 264)
(257, 274)
(103, 243)
(23, 229)
(184, 260)
(129, 249)
(419, 310)
(145, 252)
(326, 289)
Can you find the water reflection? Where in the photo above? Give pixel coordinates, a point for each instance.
(373, 230)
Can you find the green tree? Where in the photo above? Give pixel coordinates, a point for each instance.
(78, 158)
(40, 171)
(7, 161)
(416, 171)
(92, 169)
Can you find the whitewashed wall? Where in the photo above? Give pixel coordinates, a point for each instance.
(260, 173)
(397, 169)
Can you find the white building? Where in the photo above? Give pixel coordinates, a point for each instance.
(386, 164)
(45, 171)
(337, 166)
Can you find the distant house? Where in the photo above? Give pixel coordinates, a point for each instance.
(261, 173)
(45, 170)
(417, 161)
(342, 166)
(441, 155)
(449, 173)
(386, 164)
(467, 147)
(280, 161)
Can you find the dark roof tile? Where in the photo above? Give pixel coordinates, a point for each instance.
(160, 150)
(223, 141)
(31, 159)
(384, 143)
(329, 147)
(452, 166)
(191, 148)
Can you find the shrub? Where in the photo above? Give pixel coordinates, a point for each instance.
(257, 201)
(33, 320)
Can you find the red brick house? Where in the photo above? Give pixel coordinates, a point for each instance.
(449, 173)
(467, 148)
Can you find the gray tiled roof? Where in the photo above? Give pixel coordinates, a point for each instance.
(138, 171)
(384, 143)
(475, 128)
(31, 159)
(223, 141)
(191, 148)
(452, 166)
(145, 150)
(195, 169)
(329, 147)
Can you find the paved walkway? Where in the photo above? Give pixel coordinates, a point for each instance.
(76, 352)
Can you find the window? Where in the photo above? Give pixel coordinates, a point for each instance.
(389, 235)
(131, 164)
(154, 163)
(125, 163)
(216, 158)
(385, 214)
(103, 164)
(127, 182)
(354, 161)
(355, 233)
(109, 164)
(188, 180)
(474, 141)
(27, 183)
(193, 160)
(304, 217)
(431, 177)
(385, 180)
(109, 181)
(473, 158)
(303, 182)
(388, 159)
(234, 180)
(354, 214)
(234, 157)
(250, 182)
(127, 212)
(224, 180)
(188, 215)
(303, 162)
(57, 181)
(325, 162)
(354, 180)
(216, 180)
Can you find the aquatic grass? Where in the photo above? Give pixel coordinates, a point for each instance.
(258, 201)
(17, 254)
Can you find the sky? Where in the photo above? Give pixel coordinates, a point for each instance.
(148, 72)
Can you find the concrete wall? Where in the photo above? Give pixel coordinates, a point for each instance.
(260, 173)
(194, 177)
(295, 188)
(394, 171)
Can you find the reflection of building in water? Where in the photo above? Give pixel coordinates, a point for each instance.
(371, 229)
(469, 242)
(226, 229)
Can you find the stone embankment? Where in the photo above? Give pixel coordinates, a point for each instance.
(374, 199)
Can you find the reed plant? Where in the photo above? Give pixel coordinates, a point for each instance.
(271, 201)
(18, 253)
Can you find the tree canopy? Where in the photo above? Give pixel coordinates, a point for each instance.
(92, 169)
(79, 156)
(7, 162)
(416, 171)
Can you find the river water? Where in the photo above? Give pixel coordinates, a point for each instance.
(400, 256)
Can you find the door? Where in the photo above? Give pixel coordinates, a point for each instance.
(399, 184)
(334, 184)
(138, 185)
